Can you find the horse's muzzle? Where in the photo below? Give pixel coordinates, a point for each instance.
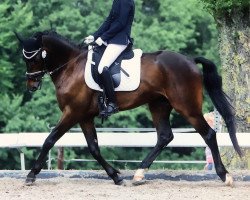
(33, 86)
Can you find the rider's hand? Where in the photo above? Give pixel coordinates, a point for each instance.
(89, 39)
(100, 42)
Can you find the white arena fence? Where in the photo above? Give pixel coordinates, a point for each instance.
(117, 138)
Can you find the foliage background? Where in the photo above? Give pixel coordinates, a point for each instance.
(182, 26)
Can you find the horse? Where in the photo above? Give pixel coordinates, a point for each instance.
(168, 81)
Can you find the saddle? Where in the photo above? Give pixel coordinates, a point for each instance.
(115, 69)
(125, 72)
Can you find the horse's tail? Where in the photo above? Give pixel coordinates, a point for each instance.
(213, 84)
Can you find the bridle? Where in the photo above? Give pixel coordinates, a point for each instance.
(34, 76)
(38, 75)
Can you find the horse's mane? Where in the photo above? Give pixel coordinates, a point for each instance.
(56, 35)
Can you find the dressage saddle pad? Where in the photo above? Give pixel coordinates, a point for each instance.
(125, 70)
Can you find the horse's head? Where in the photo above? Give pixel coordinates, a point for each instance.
(33, 55)
(46, 52)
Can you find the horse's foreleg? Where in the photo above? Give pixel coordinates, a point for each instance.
(160, 110)
(92, 141)
(63, 126)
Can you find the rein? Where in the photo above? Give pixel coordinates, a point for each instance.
(63, 65)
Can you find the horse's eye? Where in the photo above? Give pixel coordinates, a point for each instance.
(30, 63)
(37, 57)
(34, 60)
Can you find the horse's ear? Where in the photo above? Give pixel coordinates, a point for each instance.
(20, 39)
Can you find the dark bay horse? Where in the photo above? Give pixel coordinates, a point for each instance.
(168, 81)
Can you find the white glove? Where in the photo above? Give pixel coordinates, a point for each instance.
(89, 39)
(100, 42)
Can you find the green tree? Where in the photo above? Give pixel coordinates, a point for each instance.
(11, 18)
(36, 115)
(233, 20)
(11, 75)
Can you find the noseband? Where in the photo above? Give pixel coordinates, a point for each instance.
(35, 76)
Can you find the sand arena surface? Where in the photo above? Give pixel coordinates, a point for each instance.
(86, 187)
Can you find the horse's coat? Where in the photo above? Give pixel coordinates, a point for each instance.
(168, 81)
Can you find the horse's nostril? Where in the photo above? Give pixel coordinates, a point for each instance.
(32, 89)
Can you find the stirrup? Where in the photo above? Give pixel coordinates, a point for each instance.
(109, 110)
(112, 108)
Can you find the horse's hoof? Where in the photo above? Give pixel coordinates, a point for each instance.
(139, 182)
(121, 183)
(229, 180)
(31, 178)
(139, 177)
(29, 181)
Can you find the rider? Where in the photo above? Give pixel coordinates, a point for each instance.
(115, 34)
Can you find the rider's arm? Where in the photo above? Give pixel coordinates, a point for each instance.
(120, 13)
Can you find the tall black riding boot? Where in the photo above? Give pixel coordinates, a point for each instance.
(108, 87)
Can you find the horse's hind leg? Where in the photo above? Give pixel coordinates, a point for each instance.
(209, 135)
(92, 141)
(160, 110)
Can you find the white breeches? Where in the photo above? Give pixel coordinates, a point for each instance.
(110, 54)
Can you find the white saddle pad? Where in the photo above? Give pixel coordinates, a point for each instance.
(132, 67)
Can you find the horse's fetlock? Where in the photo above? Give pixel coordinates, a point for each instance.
(221, 172)
(36, 169)
(111, 172)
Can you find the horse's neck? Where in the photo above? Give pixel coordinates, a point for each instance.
(60, 52)
(70, 67)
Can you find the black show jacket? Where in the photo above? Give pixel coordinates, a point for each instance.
(116, 29)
